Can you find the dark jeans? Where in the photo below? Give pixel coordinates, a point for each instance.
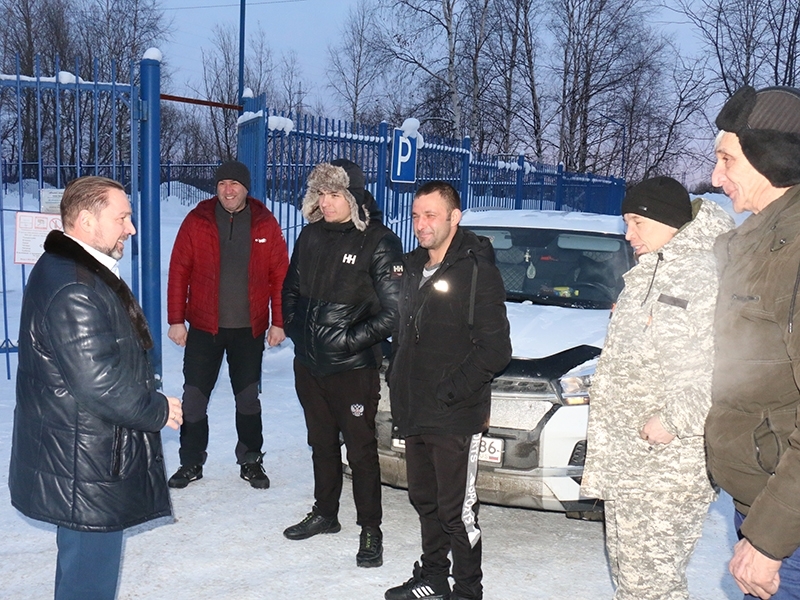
(87, 566)
(345, 402)
(441, 487)
(202, 360)
(789, 588)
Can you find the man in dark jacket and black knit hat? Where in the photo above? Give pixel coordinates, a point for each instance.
(225, 276)
(339, 304)
(451, 340)
(752, 431)
(86, 451)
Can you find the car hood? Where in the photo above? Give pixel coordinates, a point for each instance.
(539, 331)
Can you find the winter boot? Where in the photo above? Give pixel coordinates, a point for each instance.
(370, 548)
(253, 471)
(419, 588)
(185, 475)
(313, 524)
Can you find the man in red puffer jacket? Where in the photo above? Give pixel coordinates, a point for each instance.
(225, 277)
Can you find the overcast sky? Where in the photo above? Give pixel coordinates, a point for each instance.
(305, 26)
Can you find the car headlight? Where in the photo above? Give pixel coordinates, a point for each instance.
(576, 383)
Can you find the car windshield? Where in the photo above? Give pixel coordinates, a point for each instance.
(562, 268)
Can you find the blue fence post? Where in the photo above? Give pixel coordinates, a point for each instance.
(465, 179)
(520, 177)
(560, 186)
(383, 161)
(250, 145)
(150, 72)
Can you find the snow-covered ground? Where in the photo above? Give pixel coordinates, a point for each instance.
(226, 540)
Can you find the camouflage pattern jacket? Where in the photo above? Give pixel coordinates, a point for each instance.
(657, 360)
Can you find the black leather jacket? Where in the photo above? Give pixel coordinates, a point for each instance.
(86, 451)
(340, 294)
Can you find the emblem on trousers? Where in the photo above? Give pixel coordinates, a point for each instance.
(357, 410)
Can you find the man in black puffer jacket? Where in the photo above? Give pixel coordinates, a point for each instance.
(86, 450)
(339, 304)
(451, 340)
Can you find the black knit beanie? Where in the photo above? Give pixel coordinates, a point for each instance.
(233, 170)
(662, 199)
(767, 123)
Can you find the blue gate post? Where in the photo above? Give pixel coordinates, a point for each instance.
(464, 191)
(383, 161)
(250, 144)
(150, 72)
(560, 186)
(520, 176)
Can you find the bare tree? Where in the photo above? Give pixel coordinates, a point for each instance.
(356, 65)
(601, 44)
(735, 33)
(428, 47)
(293, 88)
(783, 54)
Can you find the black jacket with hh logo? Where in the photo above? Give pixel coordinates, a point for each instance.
(340, 294)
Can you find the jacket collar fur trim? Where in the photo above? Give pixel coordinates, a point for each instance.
(59, 244)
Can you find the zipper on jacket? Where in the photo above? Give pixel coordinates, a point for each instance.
(794, 300)
(116, 452)
(653, 278)
(230, 233)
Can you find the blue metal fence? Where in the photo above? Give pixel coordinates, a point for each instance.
(282, 150)
(57, 128)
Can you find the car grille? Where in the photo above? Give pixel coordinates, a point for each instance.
(521, 403)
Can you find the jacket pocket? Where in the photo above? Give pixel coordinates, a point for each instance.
(767, 446)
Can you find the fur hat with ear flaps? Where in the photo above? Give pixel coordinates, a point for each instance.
(767, 123)
(339, 175)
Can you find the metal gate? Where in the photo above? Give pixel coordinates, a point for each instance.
(54, 128)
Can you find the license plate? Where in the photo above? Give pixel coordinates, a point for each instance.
(491, 449)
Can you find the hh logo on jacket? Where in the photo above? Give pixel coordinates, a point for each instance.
(349, 259)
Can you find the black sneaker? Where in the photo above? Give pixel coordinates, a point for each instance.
(185, 475)
(370, 548)
(313, 524)
(254, 473)
(419, 588)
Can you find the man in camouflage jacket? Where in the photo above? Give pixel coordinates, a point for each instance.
(652, 390)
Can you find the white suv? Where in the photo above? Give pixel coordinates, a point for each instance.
(562, 273)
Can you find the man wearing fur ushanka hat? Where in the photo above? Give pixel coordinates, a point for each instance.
(339, 303)
(752, 436)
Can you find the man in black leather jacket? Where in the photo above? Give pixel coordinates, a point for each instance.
(339, 304)
(86, 452)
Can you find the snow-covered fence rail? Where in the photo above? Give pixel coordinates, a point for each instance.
(281, 150)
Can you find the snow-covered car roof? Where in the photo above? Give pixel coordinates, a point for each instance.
(544, 219)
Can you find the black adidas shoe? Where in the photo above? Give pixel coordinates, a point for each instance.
(419, 588)
(370, 548)
(253, 472)
(185, 475)
(313, 524)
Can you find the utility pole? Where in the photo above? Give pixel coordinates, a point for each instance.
(241, 52)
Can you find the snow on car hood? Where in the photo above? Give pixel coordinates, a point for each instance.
(539, 331)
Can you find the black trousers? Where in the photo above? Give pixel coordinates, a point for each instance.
(202, 360)
(345, 402)
(441, 487)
